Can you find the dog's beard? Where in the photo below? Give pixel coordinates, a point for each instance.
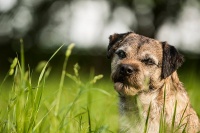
(124, 89)
(123, 85)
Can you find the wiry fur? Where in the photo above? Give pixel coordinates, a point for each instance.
(148, 83)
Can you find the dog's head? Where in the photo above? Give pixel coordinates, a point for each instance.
(140, 63)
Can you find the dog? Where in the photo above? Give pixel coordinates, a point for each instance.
(150, 93)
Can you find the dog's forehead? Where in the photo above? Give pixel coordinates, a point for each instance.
(141, 45)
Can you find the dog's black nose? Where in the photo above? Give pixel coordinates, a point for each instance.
(126, 69)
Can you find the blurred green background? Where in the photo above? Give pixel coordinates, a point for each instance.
(44, 25)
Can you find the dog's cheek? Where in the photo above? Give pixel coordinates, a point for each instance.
(147, 74)
(156, 81)
(137, 79)
(152, 77)
(155, 77)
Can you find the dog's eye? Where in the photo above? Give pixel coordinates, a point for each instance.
(148, 61)
(121, 54)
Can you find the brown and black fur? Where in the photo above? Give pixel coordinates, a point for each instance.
(144, 72)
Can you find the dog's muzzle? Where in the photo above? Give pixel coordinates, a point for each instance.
(126, 70)
(123, 73)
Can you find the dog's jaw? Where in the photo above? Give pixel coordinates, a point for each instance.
(125, 89)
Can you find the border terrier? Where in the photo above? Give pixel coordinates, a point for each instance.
(150, 93)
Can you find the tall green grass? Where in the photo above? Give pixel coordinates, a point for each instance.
(29, 109)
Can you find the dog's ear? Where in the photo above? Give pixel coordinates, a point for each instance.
(172, 60)
(114, 41)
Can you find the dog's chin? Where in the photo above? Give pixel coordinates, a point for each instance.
(125, 89)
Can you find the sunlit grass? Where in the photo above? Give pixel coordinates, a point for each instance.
(53, 104)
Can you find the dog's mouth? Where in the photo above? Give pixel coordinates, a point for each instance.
(126, 80)
(124, 87)
(122, 80)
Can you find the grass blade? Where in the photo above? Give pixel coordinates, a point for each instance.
(174, 117)
(162, 114)
(182, 116)
(89, 121)
(44, 68)
(37, 125)
(147, 119)
(22, 62)
(68, 53)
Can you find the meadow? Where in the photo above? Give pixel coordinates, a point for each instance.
(38, 101)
